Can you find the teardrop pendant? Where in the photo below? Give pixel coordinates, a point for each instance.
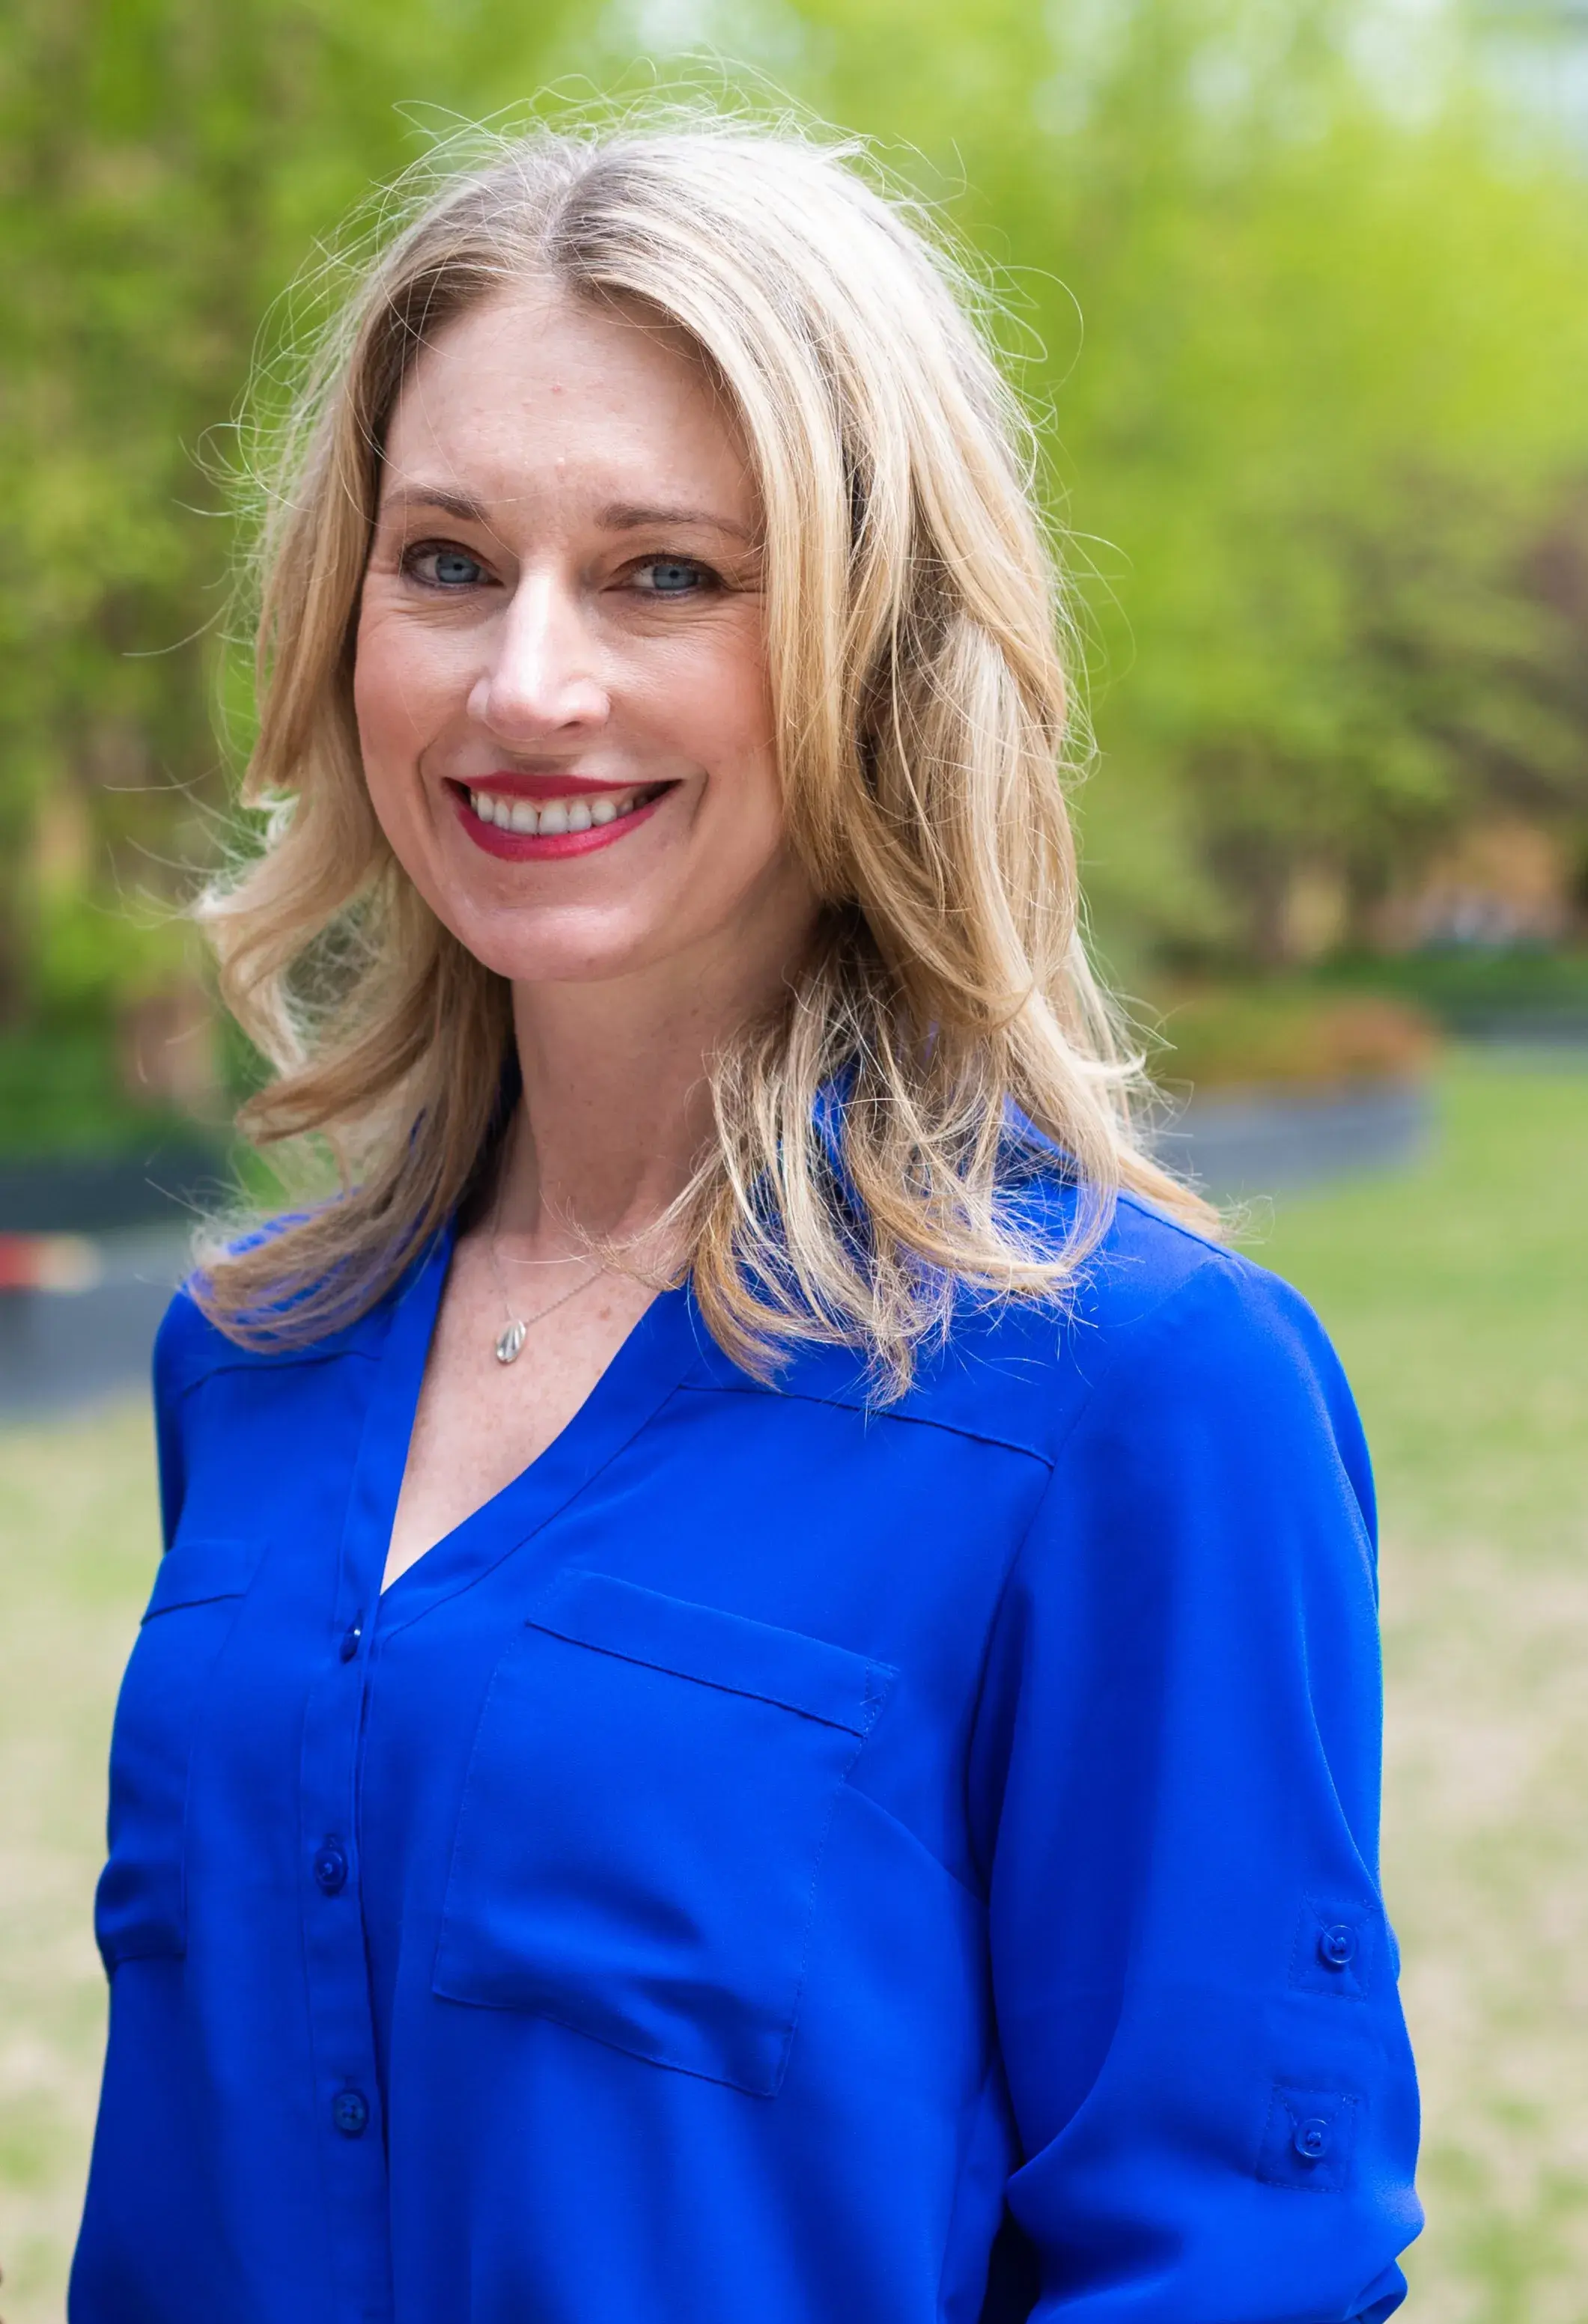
(510, 1341)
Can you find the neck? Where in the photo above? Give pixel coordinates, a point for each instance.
(616, 1111)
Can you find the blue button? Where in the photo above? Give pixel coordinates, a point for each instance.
(350, 2113)
(1312, 2140)
(1337, 1946)
(350, 1637)
(330, 1865)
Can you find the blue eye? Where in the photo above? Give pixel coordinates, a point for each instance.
(671, 577)
(446, 568)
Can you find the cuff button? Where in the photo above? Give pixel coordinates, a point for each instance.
(1337, 1946)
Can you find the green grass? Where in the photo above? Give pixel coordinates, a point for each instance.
(78, 1543)
(1456, 1295)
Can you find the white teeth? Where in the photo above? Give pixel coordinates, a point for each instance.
(553, 817)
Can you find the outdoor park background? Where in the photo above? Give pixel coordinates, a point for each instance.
(1301, 290)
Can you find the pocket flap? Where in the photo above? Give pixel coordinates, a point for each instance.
(194, 1572)
(809, 1676)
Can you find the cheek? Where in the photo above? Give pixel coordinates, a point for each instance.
(724, 710)
(388, 691)
(401, 695)
(754, 785)
(396, 708)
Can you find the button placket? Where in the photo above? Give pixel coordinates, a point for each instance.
(340, 2017)
(341, 2014)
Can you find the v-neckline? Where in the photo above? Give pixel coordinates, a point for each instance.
(662, 1344)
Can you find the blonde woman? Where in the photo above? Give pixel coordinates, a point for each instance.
(763, 1700)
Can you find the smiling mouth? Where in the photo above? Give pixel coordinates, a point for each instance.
(559, 818)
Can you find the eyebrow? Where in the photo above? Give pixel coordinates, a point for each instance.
(462, 505)
(630, 516)
(617, 516)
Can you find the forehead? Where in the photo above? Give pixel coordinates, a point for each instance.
(537, 388)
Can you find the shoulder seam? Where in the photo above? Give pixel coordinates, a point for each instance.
(873, 1413)
(244, 1361)
(1144, 1208)
(187, 1369)
(1211, 1258)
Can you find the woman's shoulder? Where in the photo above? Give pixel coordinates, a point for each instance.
(1158, 1316)
(1152, 1276)
(191, 1344)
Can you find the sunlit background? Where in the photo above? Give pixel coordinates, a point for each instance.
(1300, 294)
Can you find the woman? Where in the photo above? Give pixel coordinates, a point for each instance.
(762, 1699)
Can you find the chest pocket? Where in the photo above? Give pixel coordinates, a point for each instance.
(642, 1824)
(140, 1908)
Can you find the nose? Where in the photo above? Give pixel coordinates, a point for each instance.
(540, 679)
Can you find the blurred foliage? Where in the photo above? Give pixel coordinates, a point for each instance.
(1322, 434)
(61, 1094)
(1474, 990)
(1319, 454)
(1292, 1036)
(167, 169)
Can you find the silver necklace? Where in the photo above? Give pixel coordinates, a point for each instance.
(510, 1339)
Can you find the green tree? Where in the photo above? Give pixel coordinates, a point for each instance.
(168, 167)
(1312, 356)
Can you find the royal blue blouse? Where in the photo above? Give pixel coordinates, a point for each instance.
(778, 1862)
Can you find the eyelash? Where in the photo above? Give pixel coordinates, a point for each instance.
(421, 548)
(705, 578)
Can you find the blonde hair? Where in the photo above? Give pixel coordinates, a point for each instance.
(913, 619)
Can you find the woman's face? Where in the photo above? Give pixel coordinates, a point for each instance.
(561, 679)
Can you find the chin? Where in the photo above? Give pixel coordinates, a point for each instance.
(548, 943)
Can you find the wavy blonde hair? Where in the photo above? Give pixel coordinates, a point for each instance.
(913, 628)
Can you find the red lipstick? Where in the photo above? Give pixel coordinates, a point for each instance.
(551, 846)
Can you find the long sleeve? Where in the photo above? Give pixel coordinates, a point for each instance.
(1176, 1779)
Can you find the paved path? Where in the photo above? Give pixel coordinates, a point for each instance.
(59, 1349)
